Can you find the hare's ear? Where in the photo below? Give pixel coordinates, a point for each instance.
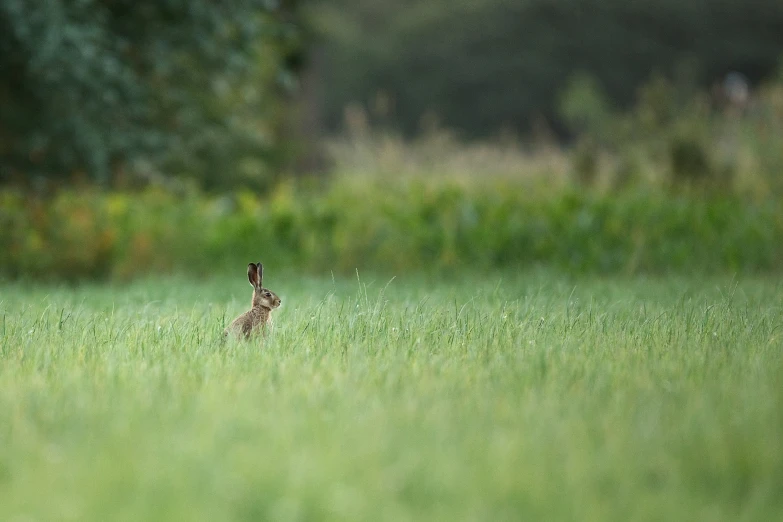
(252, 275)
(260, 274)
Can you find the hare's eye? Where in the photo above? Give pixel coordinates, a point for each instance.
(268, 294)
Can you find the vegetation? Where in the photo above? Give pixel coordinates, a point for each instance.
(489, 397)
(527, 345)
(354, 223)
(684, 138)
(481, 66)
(669, 186)
(113, 91)
(228, 95)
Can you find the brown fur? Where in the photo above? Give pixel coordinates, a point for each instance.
(260, 314)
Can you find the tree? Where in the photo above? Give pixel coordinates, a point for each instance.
(94, 87)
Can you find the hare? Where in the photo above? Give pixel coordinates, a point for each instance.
(260, 313)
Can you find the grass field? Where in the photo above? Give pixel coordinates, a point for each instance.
(531, 396)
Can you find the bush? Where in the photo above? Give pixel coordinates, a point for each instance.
(388, 227)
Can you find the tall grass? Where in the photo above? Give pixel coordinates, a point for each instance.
(477, 397)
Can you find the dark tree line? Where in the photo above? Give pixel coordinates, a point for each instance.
(480, 65)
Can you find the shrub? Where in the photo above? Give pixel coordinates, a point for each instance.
(390, 227)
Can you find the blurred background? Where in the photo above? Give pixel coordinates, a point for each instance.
(601, 136)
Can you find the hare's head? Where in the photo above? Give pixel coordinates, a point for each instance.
(261, 296)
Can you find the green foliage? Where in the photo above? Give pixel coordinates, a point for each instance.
(502, 397)
(484, 65)
(101, 89)
(680, 137)
(358, 223)
(583, 105)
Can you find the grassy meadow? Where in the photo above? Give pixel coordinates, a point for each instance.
(477, 396)
(570, 310)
